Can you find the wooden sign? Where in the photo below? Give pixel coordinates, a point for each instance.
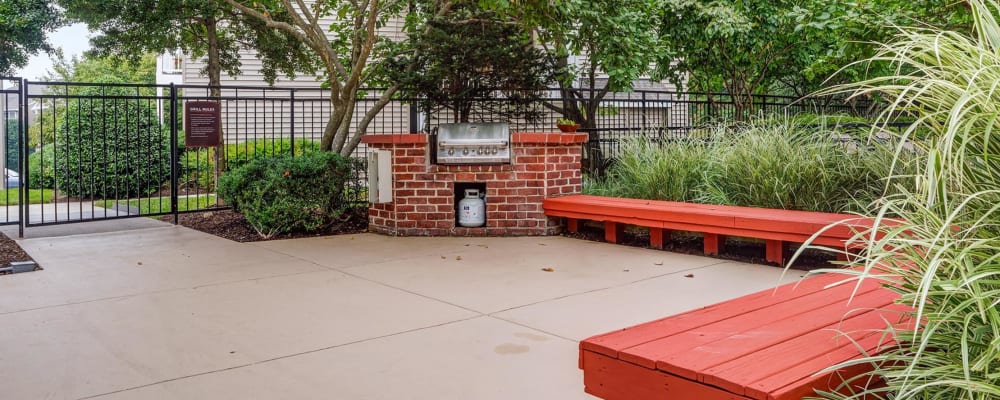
(202, 124)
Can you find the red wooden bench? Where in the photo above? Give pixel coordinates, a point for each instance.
(769, 345)
(715, 221)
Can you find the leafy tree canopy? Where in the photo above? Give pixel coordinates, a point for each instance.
(23, 28)
(132, 28)
(348, 38)
(465, 58)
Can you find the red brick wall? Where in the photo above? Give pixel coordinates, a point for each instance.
(542, 165)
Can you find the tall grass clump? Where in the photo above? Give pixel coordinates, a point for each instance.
(776, 164)
(648, 170)
(766, 163)
(943, 254)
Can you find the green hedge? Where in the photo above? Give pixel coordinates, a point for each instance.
(111, 146)
(284, 194)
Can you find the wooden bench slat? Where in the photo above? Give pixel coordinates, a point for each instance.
(692, 362)
(708, 217)
(613, 379)
(811, 309)
(797, 357)
(612, 343)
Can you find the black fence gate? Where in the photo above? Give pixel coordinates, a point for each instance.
(99, 151)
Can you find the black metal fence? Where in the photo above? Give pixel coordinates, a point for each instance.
(10, 149)
(100, 151)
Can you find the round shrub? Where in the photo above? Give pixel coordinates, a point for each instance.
(285, 194)
(111, 145)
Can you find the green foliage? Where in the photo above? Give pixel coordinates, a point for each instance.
(941, 254)
(23, 26)
(86, 69)
(470, 53)
(346, 38)
(131, 30)
(646, 170)
(618, 37)
(765, 164)
(13, 141)
(198, 164)
(41, 168)
(110, 147)
(285, 194)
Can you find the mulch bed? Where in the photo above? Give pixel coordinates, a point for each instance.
(10, 252)
(234, 226)
(736, 249)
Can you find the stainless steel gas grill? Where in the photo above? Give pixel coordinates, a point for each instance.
(473, 143)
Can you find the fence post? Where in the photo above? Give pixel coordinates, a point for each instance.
(291, 130)
(414, 116)
(22, 157)
(645, 112)
(174, 159)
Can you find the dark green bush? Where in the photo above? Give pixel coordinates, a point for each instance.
(111, 146)
(285, 194)
(41, 170)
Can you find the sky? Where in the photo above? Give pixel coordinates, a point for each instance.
(73, 39)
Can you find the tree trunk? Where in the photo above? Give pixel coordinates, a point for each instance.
(214, 70)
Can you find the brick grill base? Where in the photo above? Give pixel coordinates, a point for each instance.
(542, 165)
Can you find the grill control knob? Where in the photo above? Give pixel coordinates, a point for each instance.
(465, 152)
(451, 152)
(495, 151)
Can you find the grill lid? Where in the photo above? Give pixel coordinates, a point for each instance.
(473, 143)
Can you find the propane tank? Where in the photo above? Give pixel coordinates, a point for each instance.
(472, 209)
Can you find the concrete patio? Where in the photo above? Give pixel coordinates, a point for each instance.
(162, 312)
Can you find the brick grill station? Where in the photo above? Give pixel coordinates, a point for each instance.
(424, 199)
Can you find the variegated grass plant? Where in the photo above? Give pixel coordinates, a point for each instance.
(944, 255)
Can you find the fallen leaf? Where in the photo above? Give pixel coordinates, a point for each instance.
(466, 245)
(459, 258)
(542, 244)
(443, 257)
(139, 263)
(658, 263)
(547, 269)
(689, 276)
(626, 270)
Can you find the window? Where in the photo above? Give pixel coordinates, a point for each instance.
(171, 64)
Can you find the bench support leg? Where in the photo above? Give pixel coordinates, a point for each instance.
(613, 231)
(572, 224)
(713, 242)
(774, 252)
(657, 236)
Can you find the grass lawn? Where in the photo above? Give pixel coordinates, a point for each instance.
(9, 197)
(156, 205)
